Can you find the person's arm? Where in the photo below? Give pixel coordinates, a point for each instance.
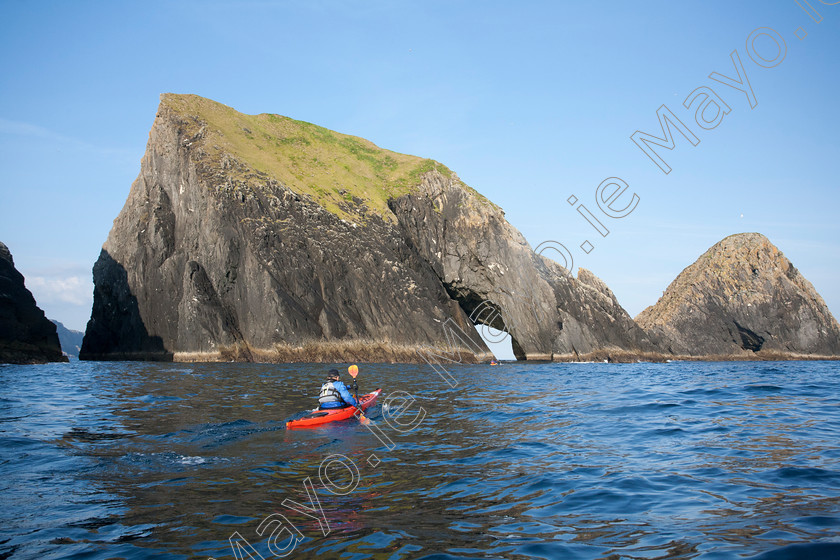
(345, 395)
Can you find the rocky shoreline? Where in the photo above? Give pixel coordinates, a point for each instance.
(622, 357)
(313, 352)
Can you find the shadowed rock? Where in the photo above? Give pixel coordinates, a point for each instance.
(116, 330)
(26, 335)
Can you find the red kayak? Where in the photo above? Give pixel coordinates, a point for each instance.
(318, 416)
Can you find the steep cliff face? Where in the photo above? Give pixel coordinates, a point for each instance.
(26, 335)
(487, 265)
(741, 297)
(261, 237)
(216, 256)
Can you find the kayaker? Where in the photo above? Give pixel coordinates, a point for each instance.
(334, 393)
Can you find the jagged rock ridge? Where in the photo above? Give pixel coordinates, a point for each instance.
(261, 237)
(743, 297)
(26, 335)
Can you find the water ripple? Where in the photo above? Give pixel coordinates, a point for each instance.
(681, 460)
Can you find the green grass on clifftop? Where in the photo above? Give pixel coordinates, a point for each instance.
(339, 171)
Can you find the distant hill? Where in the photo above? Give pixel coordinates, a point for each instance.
(71, 341)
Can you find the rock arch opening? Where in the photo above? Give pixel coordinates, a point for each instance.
(490, 322)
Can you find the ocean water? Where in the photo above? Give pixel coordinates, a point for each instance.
(590, 461)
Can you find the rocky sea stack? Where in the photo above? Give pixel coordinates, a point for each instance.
(743, 297)
(26, 335)
(259, 237)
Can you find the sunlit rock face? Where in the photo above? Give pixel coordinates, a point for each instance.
(743, 297)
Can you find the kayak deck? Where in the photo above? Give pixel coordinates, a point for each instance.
(319, 416)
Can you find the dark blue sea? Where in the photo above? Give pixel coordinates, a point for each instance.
(590, 461)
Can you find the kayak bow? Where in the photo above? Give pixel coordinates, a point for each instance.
(323, 416)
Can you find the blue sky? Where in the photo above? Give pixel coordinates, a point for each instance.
(529, 104)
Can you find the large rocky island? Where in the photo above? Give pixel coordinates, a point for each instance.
(259, 237)
(264, 238)
(26, 335)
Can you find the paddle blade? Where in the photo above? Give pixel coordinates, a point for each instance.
(361, 416)
(353, 370)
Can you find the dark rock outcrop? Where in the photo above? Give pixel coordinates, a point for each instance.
(26, 335)
(71, 341)
(264, 238)
(743, 297)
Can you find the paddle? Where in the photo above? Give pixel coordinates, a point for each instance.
(354, 371)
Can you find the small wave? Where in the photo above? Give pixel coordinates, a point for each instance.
(158, 398)
(764, 388)
(802, 552)
(804, 474)
(166, 461)
(232, 519)
(81, 434)
(660, 432)
(635, 409)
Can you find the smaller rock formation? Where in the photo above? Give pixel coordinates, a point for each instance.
(742, 298)
(26, 335)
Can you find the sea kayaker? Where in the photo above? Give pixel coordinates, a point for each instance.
(334, 393)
